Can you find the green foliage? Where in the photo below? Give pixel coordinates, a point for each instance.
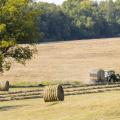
(20, 20)
(2, 28)
(93, 19)
(5, 44)
(20, 54)
(53, 23)
(18, 24)
(78, 19)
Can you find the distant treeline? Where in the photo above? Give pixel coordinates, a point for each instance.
(78, 19)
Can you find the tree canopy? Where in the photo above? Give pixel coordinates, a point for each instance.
(78, 19)
(17, 25)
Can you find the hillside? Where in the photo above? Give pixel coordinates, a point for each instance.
(68, 61)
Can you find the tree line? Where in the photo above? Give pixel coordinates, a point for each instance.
(79, 19)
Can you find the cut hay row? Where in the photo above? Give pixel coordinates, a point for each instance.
(91, 91)
(33, 96)
(90, 85)
(78, 88)
(21, 97)
(17, 92)
(23, 94)
(27, 97)
(90, 88)
(38, 93)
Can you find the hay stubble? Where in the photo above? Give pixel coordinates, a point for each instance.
(68, 61)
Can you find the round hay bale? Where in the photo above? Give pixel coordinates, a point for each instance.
(53, 93)
(4, 85)
(97, 75)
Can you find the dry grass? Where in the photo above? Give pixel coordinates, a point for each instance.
(101, 106)
(32, 92)
(68, 61)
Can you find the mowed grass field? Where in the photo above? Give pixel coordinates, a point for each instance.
(68, 61)
(98, 106)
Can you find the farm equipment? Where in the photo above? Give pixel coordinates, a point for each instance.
(101, 76)
(112, 77)
(97, 76)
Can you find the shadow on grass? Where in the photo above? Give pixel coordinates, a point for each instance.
(53, 103)
(6, 108)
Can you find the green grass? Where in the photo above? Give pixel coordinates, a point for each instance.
(100, 106)
(35, 83)
(24, 83)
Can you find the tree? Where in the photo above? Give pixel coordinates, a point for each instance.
(92, 19)
(17, 25)
(83, 14)
(53, 22)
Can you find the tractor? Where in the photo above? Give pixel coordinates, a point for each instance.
(111, 77)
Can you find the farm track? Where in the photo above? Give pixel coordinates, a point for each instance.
(68, 90)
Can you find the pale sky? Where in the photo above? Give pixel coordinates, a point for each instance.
(53, 1)
(58, 2)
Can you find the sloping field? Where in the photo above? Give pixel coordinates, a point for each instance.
(68, 61)
(103, 106)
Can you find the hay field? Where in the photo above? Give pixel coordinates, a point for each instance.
(99, 106)
(68, 61)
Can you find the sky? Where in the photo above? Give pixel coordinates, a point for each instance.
(58, 2)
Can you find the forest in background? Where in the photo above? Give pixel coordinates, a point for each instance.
(78, 19)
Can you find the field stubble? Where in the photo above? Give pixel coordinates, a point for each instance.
(103, 106)
(68, 61)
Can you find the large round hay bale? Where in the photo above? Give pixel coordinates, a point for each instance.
(53, 93)
(4, 85)
(97, 75)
